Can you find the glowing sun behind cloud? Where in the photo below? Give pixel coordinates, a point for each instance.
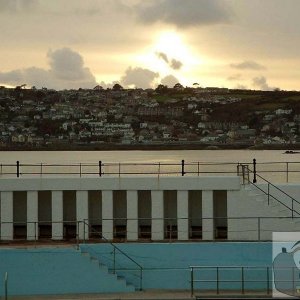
(172, 45)
(169, 54)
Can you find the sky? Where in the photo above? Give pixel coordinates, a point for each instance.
(66, 44)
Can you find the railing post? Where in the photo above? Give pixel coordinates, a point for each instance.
(141, 279)
(258, 227)
(18, 168)
(77, 234)
(158, 169)
(192, 282)
(35, 233)
(287, 172)
(114, 262)
(41, 170)
(243, 283)
(254, 170)
(84, 230)
(268, 281)
(80, 169)
(268, 193)
(100, 168)
(218, 281)
(182, 168)
(5, 284)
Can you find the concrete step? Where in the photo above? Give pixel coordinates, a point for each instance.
(104, 268)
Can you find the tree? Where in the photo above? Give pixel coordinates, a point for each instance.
(161, 89)
(117, 87)
(178, 86)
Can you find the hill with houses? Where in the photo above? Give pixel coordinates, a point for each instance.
(161, 118)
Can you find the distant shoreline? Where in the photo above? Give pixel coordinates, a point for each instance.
(150, 147)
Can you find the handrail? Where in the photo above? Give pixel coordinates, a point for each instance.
(121, 251)
(242, 279)
(268, 193)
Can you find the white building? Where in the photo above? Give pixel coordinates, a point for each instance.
(138, 208)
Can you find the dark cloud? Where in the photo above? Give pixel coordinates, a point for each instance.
(66, 71)
(171, 62)
(163, 56)
(175, 64)
(248, 65)
(139, 77)
(262, 84)
(169, 80)
(17, 5)
(183, 13)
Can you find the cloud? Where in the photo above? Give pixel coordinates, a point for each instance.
(241, 87)
(66, 71)
(67, 64)
(139, 77)
(14, 6)
(235, 77)
(171, 62)
(183, 14)
(261, 84)
(169, 80)
(248, 64)
(107, 85)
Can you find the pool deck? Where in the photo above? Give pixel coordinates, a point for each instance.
(144, 295)
(164, 295)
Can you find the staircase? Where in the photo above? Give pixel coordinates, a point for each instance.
(120, 282)
(274, 215)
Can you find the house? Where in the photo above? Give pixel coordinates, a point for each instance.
(191, 106)
(209, 138)
(283, 111)
(143, 125)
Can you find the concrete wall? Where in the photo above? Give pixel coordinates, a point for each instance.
(109, 184)
(192, 202)
(124, 199)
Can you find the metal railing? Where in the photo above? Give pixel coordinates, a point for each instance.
(287, 171)
(116, 250)
(230, 278)
(217, 228)
(246, 178)
(100, 169)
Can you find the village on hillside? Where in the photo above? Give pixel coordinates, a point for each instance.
(135, 118)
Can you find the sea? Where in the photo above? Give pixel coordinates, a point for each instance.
(274, 165)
